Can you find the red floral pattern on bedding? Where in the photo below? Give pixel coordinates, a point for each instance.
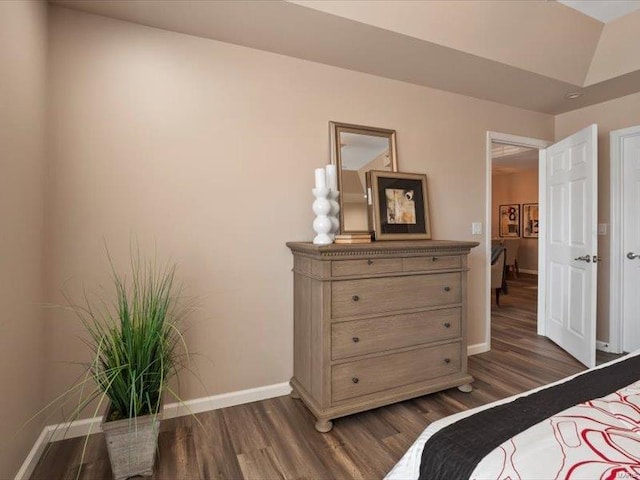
(599, 439)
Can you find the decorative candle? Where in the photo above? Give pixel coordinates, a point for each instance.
(321, 178)
(332, 177)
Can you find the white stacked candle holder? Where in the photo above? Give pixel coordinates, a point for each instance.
(326, 206)
(322, 223)
(333, 214)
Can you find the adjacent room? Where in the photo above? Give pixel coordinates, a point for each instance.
(308, 239)
(514, 242)
(514, 199)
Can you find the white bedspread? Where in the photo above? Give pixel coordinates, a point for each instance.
(599, 439)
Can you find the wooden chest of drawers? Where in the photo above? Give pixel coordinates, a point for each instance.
(377, 323)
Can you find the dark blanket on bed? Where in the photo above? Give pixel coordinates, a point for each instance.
(455, 451)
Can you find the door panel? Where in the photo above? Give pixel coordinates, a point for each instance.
(557, 211)
(630, 157)
(556, 295)
(577, 286)
(577, 223)
(571, 207)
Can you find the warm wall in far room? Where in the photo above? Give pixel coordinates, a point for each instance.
(519, 187)
(23, 50)
(612, 115)
(208, 150)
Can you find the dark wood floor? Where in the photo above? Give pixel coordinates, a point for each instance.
(276, 438)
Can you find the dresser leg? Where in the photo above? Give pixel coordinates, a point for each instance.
(324, 426)
(466, 388)
(294, 395)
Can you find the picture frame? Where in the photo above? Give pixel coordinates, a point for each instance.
(509, 220)
(398, 205)
(530, 219)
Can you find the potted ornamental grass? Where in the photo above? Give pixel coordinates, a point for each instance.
(137, 347)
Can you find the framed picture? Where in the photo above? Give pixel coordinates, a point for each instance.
(398, 206)
(530, 220)
(509, 218)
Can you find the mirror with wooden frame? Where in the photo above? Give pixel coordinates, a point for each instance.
(356, 149)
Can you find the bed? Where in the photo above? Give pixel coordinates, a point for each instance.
(586, 426)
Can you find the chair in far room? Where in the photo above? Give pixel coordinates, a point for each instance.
(498, 257)
(511, 262)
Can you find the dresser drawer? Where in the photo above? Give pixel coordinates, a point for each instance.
(365, 266)
(378, 374)
(388, 294)
(360, 337)
(418, 264)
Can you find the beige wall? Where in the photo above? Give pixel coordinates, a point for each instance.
(520, 187)
(208, 149)
(22, 108)
(617, 50)
(613, 115)
(508, 32)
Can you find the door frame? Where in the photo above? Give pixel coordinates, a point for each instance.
(616, 325)
(519, 141)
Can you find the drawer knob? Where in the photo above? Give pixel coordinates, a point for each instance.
(369, 262)
(447, 325)
(447, 360)
(355, 379)
(355, 298)
(355, 339)
(433, 259)
(447, 288)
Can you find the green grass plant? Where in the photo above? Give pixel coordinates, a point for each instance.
(135, 337)
(136, 341)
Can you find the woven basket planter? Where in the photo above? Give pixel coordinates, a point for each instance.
(132, 445)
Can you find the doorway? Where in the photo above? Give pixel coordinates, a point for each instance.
(514, 232)
(515, 162)
(514, 199)
(624, 316)
(568, 252)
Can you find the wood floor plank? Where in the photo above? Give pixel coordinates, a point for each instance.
(177, 444)
(215, 456)
(398, 444)
(276, 438)
(371, 455)
(261, 463)
(246, 434)
(336, 455)
(290, 438)
(406, 418)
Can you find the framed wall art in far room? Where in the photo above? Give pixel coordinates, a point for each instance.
(399, 208)
(509, 220)
(530, 220)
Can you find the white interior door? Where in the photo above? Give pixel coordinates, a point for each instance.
(630, 158)
(570, 243)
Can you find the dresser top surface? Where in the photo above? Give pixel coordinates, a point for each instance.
(409, 246)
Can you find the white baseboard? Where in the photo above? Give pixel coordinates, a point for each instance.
(478, 348)
(80, 428)
(29, 464)
(524, 270)
(224, 400)
(604, 346)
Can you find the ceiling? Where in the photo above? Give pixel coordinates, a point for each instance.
(357, 150)
(507, 159)
(603, 10)
(525, 54)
